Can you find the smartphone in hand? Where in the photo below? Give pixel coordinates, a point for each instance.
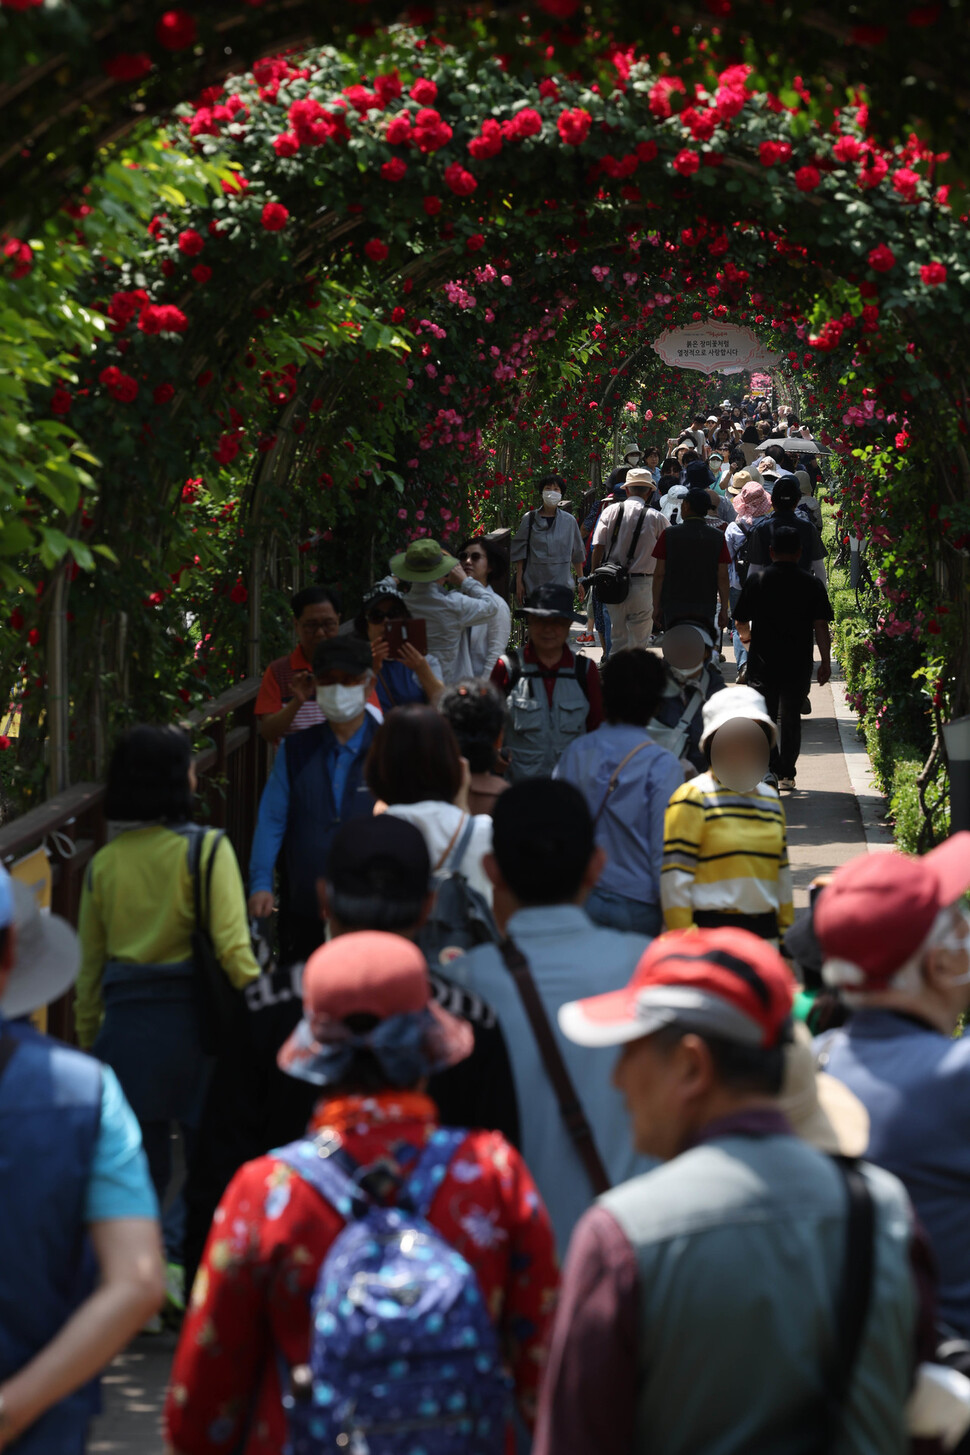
(399, 630)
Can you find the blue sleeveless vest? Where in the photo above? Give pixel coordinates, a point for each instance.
(314, 817)
(50, 1113)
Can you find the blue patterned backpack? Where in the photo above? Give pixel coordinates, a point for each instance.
(404, 1357)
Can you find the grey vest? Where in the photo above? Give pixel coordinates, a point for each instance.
(740, 1245)
(690, 578)
(536, 734)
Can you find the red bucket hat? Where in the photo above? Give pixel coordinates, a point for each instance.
(725, 981)
(878, 910)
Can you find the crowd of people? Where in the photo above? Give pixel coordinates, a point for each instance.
(503, 1122)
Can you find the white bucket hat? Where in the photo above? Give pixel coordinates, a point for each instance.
(48, 954)
(734, 703)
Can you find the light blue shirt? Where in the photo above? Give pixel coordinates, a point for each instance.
(570, 958)
(119, 1185)
(340, 760)
(631, 827)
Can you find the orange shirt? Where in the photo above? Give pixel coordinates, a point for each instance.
(275, 691)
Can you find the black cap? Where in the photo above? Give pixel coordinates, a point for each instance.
(551, 599)
(697, 476)
(380, 855)
(343, 653)
(786, 491)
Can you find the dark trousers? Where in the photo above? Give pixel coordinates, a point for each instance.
(784, 702)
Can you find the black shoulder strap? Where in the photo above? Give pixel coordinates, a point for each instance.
(528, 542)
(581, 666)
(570, 1106)
(636, 536)
(855, 1292)
(195, 870)
(512, 663)
(616, 531)
(8, 1045)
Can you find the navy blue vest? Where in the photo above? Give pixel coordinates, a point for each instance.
(314, 817)
(50, 1114)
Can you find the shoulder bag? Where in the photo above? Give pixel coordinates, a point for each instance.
(675, 738)
(855, 1293)
(570, 1107)
(612, 578)
(615, 778)
(221, 1006)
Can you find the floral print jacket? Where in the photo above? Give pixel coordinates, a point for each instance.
(250, 1304)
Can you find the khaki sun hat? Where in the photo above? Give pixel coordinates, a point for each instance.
(424, 560)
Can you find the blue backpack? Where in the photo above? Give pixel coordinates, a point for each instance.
(404, 1357)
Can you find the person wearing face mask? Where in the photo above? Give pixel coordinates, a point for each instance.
(690, 680)
(725, 842)
(547, 548)
(316, 784)
(895, 939)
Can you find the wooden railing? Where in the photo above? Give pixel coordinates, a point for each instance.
(71, 827)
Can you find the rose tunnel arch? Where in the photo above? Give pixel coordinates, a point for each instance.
(382, 257)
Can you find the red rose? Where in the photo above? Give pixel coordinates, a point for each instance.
(847, 149)
(394, 170)
(807, 179)
(60, 401)
(235, 185)
(423, 91)
(287, 144)
(127, 66)
(574, 125)
(239, 594)
(398, 132)
(460, 182)
(376, 250)
(432, 206)
(274, 216)
(872, 171)
(646, 151)
(475, 243)
(176, 30)
(526, 122)
(16, 620)
(163, 393)
(489, 144)
(660, 94)
(33, 637)
(902, 440)
(21, 255)
(202, 272)
(398, 315)
(905, 182)
(388, 87)
(191, 242)
(430, 132)
(226, 450)
(121, 387)
(882, 258)
(933, 274)
(686, 162)
(772, 152)
(162, 318)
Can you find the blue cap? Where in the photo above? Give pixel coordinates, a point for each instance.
(6, 899)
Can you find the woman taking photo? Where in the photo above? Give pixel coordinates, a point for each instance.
(482, 645)
(412, 677)
(137, 991)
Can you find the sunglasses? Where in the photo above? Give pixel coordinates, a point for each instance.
(377, 615)
(472, 556)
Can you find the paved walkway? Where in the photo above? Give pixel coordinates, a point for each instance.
(824, 828)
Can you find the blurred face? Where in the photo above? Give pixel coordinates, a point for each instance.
(652, 1082)
(739, 754)
(684, 652)
(314, 624)
(475, 561)
(549, 634)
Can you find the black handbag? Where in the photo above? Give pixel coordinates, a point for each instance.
(612, 578)
(221, 1006)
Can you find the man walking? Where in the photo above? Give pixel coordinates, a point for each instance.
(780, 616)
(785, 496)
(691, 575)
(317, 783)
(702, 1308)
(547, 547)
(543, 865)
(82, 1266)
(626, 533)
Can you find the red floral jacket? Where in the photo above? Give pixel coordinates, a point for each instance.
(270, 1234)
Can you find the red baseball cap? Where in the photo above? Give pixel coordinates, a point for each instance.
(878, 910)
(725, 981)
(369, 973)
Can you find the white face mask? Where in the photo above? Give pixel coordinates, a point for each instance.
(551, 497)
(686, 674)
(340, 703)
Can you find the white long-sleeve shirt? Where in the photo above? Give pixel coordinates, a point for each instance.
(482, 645)
(448, 615)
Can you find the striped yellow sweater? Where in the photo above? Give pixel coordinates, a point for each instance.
(724, 851)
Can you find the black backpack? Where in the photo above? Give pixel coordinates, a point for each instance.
(512, 663)
(460, 917)
(741, 562)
